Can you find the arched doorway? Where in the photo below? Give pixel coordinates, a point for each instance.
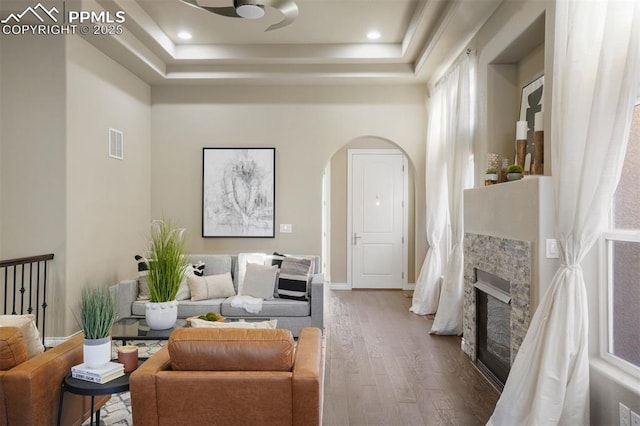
(336, 235)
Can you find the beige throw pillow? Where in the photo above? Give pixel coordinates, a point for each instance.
(210, 286)
(27, 324)
(198, 323)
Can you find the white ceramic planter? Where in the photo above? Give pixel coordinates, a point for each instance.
(96, 352)
(161, 315)
(491, 177)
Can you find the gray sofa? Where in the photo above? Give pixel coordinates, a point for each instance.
(291, 314)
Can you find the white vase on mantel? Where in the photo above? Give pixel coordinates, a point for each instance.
(161, 315)
(96, 353)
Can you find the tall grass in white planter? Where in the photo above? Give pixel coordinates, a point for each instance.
(97, 315)
(167, 264)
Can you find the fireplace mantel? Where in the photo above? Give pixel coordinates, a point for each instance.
(520, 210)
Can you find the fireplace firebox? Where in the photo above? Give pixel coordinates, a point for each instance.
(493, 326)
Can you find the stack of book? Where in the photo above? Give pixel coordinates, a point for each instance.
(111, 371)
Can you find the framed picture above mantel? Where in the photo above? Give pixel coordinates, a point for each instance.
(531, 102)
(238, 192)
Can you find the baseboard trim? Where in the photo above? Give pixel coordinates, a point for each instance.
(51, 342)
(346, 286)
(340, 286)
(409, 287)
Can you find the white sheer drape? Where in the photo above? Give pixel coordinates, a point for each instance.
(458, 121)
(427, 292)
(594, 88)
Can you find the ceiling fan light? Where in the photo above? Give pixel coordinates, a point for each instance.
(250, 11)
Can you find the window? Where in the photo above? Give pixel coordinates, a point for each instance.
(621, 244)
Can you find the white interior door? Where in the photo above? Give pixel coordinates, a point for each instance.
(377, 194)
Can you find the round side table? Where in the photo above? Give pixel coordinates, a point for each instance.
(84, 387)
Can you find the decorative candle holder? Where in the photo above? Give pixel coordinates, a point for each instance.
(521, 151)
(493, 160)
(128, 355)
(503, 170)
(537, 167)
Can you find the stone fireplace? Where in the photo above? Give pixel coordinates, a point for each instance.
(497, 275)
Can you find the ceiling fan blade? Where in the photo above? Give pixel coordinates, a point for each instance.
(288, 8)
(224, 11)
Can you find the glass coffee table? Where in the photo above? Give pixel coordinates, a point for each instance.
(137, 329)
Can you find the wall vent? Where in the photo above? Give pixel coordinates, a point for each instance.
(116, 144)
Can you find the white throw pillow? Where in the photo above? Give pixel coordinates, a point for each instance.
(210, 286)
(198, 323)
(259, 281)
(243, 260)
(30, 332)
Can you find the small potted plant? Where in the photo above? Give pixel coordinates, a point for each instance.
(514, 172)
(491, 176)
(167, 264)
(97, 315)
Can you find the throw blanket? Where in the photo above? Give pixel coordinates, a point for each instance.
(253, 305)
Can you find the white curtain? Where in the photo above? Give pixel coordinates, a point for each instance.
(427, 292)
(459, 110)
(594, 87)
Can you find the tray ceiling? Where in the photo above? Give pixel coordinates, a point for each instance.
(327, 43)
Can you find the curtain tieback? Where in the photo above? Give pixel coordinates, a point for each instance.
(570, 267)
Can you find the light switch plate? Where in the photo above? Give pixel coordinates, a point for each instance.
(552, 249)
(625, 415)
(286, 228)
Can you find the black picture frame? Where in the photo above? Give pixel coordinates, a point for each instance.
(238, 192)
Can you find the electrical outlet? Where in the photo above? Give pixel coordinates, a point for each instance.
(625, 415)
(635, 419)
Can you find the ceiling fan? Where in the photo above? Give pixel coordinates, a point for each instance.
(254, 9)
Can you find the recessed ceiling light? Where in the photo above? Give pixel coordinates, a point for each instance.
(185, 35)
(373, 35)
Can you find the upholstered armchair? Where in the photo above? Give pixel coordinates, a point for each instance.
(219, 376)
(30, 387)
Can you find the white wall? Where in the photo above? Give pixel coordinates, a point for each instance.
(307, 125)
(33, 167)
(108, 200)
(60, 193)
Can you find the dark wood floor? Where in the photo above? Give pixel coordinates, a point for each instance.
(383, 367)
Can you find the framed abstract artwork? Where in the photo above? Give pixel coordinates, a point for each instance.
(531, 103)
(238, 192)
